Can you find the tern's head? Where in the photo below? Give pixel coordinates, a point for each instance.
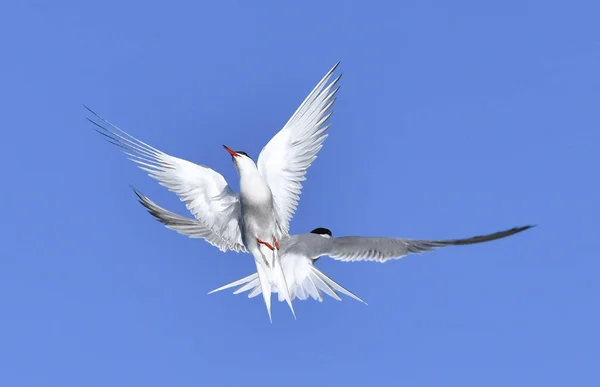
(325, 233)
(241, 160)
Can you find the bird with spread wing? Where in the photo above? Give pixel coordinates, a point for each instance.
(257, 218)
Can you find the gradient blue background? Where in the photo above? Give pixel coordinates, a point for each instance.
(454, 119)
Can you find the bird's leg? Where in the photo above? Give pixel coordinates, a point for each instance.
(276, 243)
(265, 243)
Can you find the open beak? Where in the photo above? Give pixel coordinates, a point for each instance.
(231, 152)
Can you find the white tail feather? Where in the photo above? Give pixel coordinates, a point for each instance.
(257, 290)
(334, 285)
(250, 285)
(304, 284)
(280, 281)
(311, 289)
(265, 286)
(323, 286)
(242, 281)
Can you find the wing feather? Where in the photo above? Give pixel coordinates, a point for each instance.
(352, 248)
(205, 192)
(185, 226)
(283, 162)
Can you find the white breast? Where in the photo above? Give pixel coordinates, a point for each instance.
(254, 190)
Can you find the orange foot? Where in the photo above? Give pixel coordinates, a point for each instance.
(266, 244)
(276, 243)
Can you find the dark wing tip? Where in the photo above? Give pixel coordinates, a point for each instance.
(149, 205)
(138, 193)
(141, 197)
(91, 111)
(488, 237)
(516, 230)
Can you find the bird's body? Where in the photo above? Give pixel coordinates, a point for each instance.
(259, 223)
(254, 219)
(298, 254)
(256, 203)
(304, 280)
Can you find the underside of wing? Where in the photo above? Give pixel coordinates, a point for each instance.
(186, 226)
(284, 160)
(382, 249)
(204, 191)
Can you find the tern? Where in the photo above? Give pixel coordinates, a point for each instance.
(257, 218)
(299, 253)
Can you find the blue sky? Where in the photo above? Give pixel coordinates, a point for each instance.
(453, 119)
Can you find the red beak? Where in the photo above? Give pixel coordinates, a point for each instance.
(231, 152)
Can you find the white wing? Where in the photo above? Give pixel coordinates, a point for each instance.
(284, 160)
(185, 226)
(205, 192)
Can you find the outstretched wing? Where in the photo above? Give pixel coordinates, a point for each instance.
(354, 248)
(185, 226)
(284, 160)
(204, 191)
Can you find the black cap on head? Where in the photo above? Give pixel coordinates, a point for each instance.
(321, 231)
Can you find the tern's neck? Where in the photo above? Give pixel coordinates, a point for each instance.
(247, 171)
(252, 183)
(250, 176)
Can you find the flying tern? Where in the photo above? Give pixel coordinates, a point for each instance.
(257, 218)
(299, 253)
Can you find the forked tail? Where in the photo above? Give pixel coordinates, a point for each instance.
(280, 281)
(245, 284)
(265, 285)
(314, 284)
(329, 286)
(258, 283)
